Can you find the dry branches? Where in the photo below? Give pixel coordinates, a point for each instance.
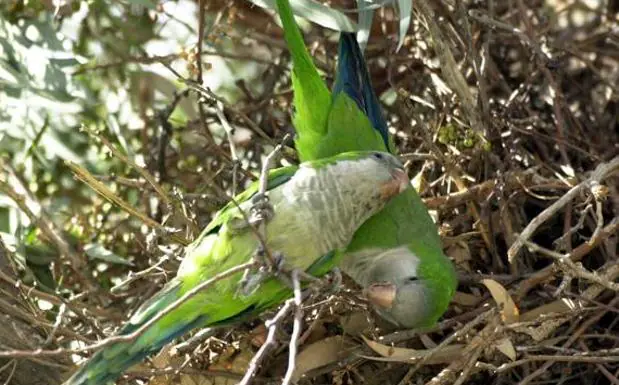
(603, 171)
(533, 204)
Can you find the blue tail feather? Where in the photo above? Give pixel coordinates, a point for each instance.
(353, 78)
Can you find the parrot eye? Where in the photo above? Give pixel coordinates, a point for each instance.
(413, 279)
(377, 155)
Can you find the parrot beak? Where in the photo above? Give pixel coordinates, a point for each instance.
(396, 185)
(381, 294)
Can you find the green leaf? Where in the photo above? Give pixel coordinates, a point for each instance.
(40, 254)
(97, 251)
(315, 12)
(405, 8)
(366, 15)
(44, 276)
(143, 3)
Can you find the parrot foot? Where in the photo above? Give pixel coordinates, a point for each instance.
(279, 271)
(278, 262)
(261, 209)
(334, 281)
(250, 281)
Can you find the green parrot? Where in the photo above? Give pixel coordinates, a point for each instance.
(317, 207)
(396, 255)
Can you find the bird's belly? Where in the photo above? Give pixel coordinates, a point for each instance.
(298, 240)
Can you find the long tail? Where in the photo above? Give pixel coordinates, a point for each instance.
(311, 95)
(110, 362)
(353, 78)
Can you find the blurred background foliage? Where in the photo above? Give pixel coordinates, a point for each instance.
(77, 68)
(71, 71)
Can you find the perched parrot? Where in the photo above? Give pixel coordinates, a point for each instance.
(396, 255)
(316, 208)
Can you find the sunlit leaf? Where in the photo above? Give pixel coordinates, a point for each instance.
(97, 251)
(509, 310)
(315, 12)
(405, 8)
(397, 354)
(366, 15)
(506, 347)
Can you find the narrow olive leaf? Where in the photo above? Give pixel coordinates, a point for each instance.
(97, 251)
(419, 182)
(143, 3)
(320, 353)
(395, 354)
(315, 12)
(560, 306)
(506, 347)
(364, 21)
(405, 8)
(509, 310)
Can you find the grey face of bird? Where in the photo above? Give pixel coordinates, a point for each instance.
(399, 179)
(397, 293)
(380, 169)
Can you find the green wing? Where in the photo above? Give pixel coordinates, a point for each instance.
(215, 306)
(326, 124)
(312, 98)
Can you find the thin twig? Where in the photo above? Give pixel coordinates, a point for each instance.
(82, 174)
(219, 110)
(61, 312)
(261, 211)
(268, 344)
(601, 172)
(575, 335)
(141, 170)
(25, 200)
(56, 300)
(135, 276)
(209, 95)
(576, 255)
(572, 269)
(453, 337)
(10, 376)
(138, 332)
(296, 328)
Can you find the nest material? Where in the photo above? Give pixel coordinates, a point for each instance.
(508, 114)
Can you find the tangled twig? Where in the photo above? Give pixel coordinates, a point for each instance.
(601, 172)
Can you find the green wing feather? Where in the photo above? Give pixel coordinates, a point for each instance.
(312, 98)
(317, 112)
(212, 307)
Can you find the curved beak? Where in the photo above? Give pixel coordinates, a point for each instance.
(398, 183)
(381, 295)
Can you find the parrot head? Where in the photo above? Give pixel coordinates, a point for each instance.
(389, 170)
(397, 292)
(367, 173)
